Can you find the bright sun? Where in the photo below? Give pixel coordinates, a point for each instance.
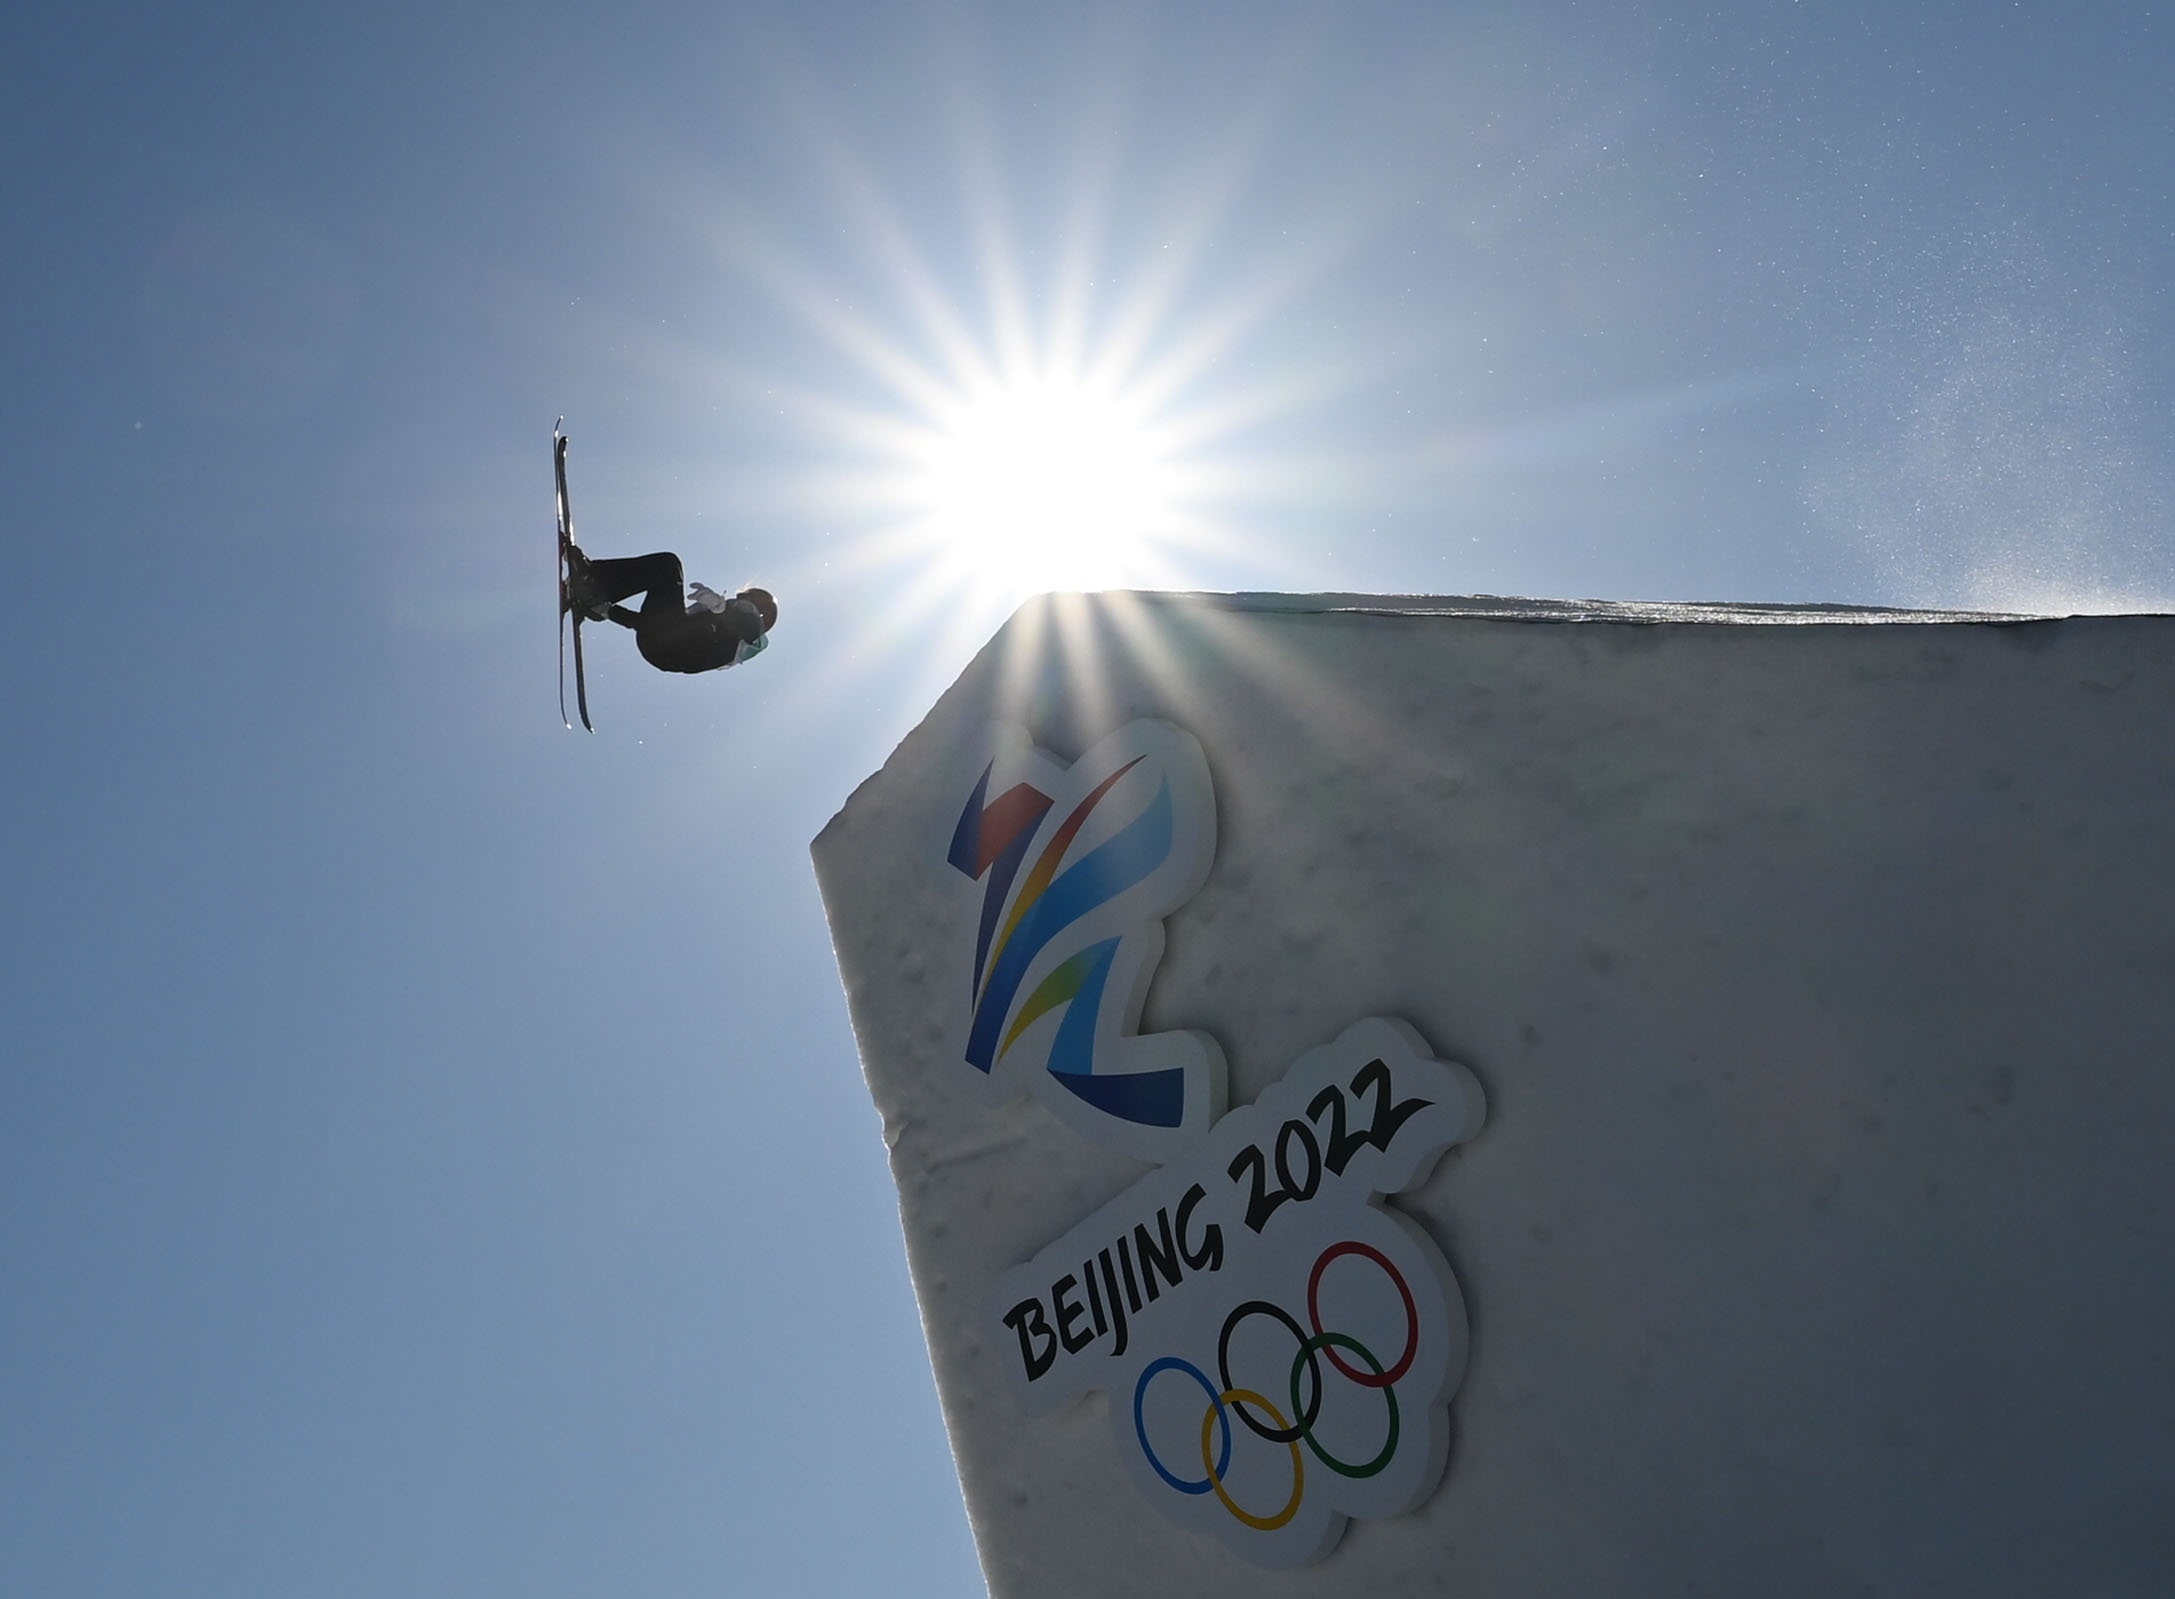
(978, 451)
(1044, 483)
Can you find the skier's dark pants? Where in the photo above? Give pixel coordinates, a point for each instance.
(657, 578)
(669, 638)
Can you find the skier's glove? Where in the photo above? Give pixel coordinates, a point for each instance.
(701, 597)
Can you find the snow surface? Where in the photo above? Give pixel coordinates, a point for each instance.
(1820, 977)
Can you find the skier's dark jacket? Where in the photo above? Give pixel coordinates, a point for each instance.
(699, 640)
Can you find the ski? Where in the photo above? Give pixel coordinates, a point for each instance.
(568, 616)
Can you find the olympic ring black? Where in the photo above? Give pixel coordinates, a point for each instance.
(1304, 1425)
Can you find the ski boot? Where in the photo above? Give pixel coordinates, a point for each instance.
(582, 597)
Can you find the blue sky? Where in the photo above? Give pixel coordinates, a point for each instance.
(432, 1152)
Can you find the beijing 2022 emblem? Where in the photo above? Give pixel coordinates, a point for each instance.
(1278, 1348)
(1078, 866)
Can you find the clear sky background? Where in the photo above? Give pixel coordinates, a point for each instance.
(433, 1158)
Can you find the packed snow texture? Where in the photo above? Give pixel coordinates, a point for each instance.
(1820, 977)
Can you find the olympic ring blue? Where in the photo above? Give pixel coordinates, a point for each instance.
(1140, 1424)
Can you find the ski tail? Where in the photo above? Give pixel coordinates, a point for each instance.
(581, 682)
(568, 617)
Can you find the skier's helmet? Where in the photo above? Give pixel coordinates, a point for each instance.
(765, 606)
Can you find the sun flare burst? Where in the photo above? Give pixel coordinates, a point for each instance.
(981, 441)
(978, 431)
(1045, 481)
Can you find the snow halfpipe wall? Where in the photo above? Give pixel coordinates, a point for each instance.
(1493, 1097)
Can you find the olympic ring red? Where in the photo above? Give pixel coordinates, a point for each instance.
(1378, 1379)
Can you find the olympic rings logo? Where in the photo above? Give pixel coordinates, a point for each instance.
(1226, 1399)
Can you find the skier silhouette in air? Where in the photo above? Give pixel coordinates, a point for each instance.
(681, 626)
(673, 632)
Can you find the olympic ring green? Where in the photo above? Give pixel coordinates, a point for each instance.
(1298, 1365)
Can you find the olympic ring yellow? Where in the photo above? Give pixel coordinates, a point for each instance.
(1234, 1396)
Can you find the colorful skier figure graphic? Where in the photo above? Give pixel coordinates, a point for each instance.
(1078, 866)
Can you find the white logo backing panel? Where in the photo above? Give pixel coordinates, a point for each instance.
(1278, 1350)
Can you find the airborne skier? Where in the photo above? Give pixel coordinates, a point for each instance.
(673, 632)
(681, 627)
